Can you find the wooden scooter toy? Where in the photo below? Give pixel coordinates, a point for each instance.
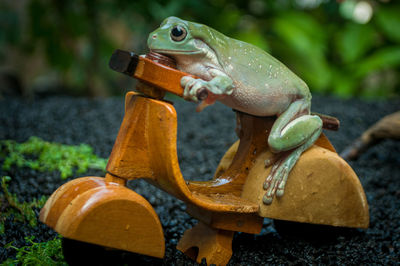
(321, 189)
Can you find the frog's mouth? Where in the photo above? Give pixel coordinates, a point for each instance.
(174, 52)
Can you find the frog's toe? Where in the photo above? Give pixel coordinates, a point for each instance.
(284, 173)
(229, 90)
(269, 195)
(281, 187)
(191, 88)
(267, 200)
(197, 86)
(185, 80)
(270, 178)
(275, 182)
(271, 190)
(267, 183)
(280, 192)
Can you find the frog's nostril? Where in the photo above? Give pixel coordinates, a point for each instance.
(154, 36)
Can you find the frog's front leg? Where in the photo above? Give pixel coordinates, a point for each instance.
(220, 84)
(294, 131)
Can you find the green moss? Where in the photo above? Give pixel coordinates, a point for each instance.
(45, 253)
(41, 155)
(10, 205)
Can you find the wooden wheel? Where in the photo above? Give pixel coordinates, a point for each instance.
(93, 210)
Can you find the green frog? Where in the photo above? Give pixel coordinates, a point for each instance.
(245, 78)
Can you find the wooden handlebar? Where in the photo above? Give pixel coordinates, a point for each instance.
(149, 71)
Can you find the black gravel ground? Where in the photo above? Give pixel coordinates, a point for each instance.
(202, 140)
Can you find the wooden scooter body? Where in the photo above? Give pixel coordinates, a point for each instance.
(321, 189)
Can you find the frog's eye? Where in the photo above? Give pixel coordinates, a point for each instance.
(178, 33)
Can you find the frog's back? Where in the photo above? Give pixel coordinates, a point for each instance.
(252, 65)
(263, 84)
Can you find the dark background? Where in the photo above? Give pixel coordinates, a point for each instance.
(347, 48)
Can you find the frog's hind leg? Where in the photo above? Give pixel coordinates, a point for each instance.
(293, 132)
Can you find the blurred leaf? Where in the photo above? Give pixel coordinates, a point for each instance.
(76, 74)
(59, 55)
(228, 19)
(37, 23)
(316, 72)
(160, 12)
(10, 26)
(354, 41)
(301, 32)
(76, 23)
(389, 21)
(306, 37)
(384, 58)
(347, 8)
(253, 37)
(343, 83)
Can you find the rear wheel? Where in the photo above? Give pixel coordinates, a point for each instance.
(311, 232)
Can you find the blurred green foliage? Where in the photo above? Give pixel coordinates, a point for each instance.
(318, 39)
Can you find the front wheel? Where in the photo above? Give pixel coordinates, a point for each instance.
(81, 253)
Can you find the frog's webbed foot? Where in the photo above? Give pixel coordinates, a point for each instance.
(293, 132)
(276, 180)
(219, 85)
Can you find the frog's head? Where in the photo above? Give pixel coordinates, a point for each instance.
(176, 37)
